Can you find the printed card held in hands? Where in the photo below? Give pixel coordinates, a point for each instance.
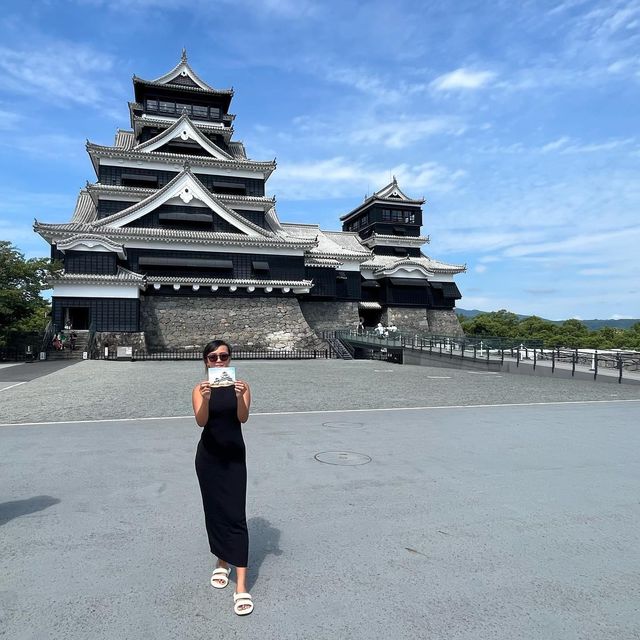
(222, 376)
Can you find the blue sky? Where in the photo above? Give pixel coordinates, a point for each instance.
(517, 121)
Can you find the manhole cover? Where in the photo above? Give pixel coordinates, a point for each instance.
(342, 457)
(343, 425)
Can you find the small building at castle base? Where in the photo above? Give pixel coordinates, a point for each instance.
(177, 242)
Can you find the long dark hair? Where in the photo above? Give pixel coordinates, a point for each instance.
(213, 345)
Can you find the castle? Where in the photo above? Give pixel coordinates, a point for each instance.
(177, 242)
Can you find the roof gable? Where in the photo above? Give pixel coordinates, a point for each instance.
(181, 73)
(392, 191)
(183, 129)
(186, 187)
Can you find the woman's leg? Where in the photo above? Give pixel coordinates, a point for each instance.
(224, 565)
(241, 586)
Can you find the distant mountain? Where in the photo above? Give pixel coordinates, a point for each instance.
(592, 325)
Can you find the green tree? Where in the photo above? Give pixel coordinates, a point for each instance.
(22, 308)
(497, 323)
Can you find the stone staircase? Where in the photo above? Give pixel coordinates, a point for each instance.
(82, 342)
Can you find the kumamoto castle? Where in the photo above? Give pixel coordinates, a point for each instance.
(177, 242)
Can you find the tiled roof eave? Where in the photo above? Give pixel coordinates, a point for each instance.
(96, 188)
(124, 277)
(347, 255)
(243, 282)
(200, 124)
(183, 87)
(167, 134)
(176, 158)
(171, 235)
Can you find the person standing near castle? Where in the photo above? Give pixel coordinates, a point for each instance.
(222, 473)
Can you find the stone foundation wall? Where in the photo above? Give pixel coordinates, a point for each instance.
(444, 322)
(120, 339)
(247, 323)
(406, 319)
(329, 315)
(437, 321)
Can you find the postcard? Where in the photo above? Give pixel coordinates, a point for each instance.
(222, 376)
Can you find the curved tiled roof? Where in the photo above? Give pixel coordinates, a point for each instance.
(190, 128)
(123, 276)
(167, 121)
(173, 158)
(163, 193)
(137, 193)
(124, 139)
(381, 263)
(242, 282)
(327, 246)
(122, 234)
(85, 210)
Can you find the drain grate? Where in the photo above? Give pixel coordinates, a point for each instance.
(345, 458)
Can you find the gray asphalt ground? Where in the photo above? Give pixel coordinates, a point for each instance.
(94, 389)
(469, 522)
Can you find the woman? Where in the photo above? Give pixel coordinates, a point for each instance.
(222, 472)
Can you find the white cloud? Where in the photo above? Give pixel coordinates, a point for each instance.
(464, 79)
(577, 243)
(337, 176)
(556, 144)
(481, 268)
(565, 145)
(61, 73)
(405, 132)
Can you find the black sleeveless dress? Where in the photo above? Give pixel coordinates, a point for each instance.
(222, 474)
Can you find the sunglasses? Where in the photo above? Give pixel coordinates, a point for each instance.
(214, 357)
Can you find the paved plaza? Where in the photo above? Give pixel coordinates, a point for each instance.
(452, 504)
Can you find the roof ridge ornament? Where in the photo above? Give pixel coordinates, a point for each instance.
(183, 57)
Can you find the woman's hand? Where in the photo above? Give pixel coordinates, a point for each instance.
(240, 388)
(205, 390)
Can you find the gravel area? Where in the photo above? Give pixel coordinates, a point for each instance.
(104, 390)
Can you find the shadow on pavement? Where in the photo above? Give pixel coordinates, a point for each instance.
(17, 508)
(25, 372)
(263, 540)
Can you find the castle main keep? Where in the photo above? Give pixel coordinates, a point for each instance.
(177, 242)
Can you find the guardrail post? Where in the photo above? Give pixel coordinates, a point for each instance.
(574, 359)
(518, 357)
(501, 356)
(450, 349)
(595, 370)
(534, 359)
(474, 352)
(553, 361)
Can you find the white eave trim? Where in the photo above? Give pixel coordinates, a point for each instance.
(89, 242)
(183, 129)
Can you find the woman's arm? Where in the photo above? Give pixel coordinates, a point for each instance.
(243, 394)
(200, 400)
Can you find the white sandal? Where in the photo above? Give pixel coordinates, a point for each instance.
(242, 600)
(220, 574)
